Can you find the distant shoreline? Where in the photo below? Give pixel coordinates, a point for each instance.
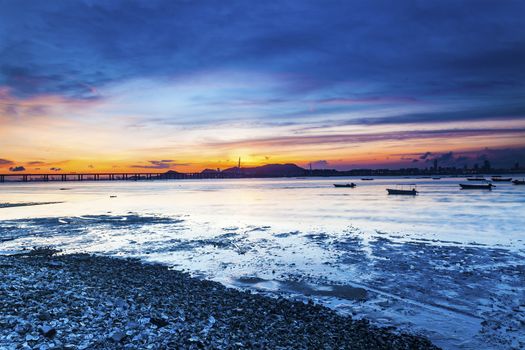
(74, 177)
(27, 204)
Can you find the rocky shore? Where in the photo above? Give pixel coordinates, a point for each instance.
(50, 301)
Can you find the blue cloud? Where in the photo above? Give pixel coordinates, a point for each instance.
(330, 63)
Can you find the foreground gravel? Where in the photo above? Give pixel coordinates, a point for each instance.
(88, 302)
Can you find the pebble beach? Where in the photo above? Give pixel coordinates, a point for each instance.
(81, 301)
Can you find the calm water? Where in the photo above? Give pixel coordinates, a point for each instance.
(443, 261)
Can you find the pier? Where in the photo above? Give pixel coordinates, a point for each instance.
(111, 176)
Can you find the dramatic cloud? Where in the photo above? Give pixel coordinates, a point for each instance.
(159, 164)
(214, 80)
(17, 168)
(55, 169)
(5, 162)
(319, 164)
(312, 44)
(369, 137)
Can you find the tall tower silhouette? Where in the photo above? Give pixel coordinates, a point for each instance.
(239, 167)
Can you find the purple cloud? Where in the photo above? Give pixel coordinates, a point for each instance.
(319, 164)
(159, 164)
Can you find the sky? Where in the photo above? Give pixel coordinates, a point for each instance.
(186, 85)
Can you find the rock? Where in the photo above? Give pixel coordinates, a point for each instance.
(47, 331)
(55, 264)
(44, 316)
(22, 328)
(159, 322)
(30, 337)
(117, 336)
(195, 340)
(132, 325)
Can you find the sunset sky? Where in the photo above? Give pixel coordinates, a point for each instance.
(187, 85)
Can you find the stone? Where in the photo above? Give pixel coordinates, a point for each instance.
(117, 336)
(47, 331)
(44, 316)
(159, 322)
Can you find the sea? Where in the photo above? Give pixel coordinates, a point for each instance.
(448, 264)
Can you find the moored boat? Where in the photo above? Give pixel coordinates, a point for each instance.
(345, 185)
(367, 179)
(519, 182)
(476, 187)
(501, 179)
(401, 190)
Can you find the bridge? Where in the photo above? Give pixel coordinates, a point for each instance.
(112, 176)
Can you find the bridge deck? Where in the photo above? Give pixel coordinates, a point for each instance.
(110, 176)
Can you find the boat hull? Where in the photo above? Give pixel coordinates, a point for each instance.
(476, 187)
(518, 182)
(392, 191)
(352, 185)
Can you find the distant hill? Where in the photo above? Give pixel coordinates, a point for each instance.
(268, 170)
(171, 174)
(210, 171)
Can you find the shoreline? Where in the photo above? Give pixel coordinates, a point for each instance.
(82, 301)
(146, 177)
